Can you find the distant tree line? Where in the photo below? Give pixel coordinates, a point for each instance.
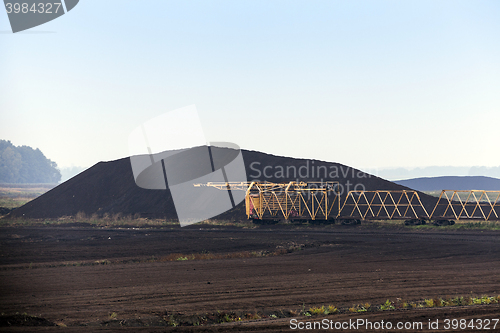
(24, 164)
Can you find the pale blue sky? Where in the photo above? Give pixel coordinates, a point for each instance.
(370, 84)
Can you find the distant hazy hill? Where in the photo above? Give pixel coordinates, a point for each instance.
(452, 183)
(393, 174)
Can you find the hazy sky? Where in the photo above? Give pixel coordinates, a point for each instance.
(370, 84)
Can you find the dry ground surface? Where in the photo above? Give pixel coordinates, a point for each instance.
(121, 279)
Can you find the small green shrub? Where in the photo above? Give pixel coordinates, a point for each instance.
(317, 310)
(438, 302)
(332, 309)
(388, 305)
(429, 303)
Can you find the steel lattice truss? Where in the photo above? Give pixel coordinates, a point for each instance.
(293, 200)
(474, 204)
(321, 201)
(383, 205)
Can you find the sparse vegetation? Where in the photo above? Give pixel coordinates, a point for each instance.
(484, 225)
(136, 221)
(324, 310)
(360, 308)
(388, 305)
(204, 255)
(218, 317)
(429, 303)
(118, 220)
(461, 225)
(16, 195)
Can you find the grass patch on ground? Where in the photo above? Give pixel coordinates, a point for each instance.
(461, 225)
(106, 222)
(119, 221)
(484, 225)
(16, 195)
(14, 202)
(399, 304)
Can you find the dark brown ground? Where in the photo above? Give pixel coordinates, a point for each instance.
(340, 265)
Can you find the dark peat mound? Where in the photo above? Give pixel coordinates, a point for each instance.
(108, 188)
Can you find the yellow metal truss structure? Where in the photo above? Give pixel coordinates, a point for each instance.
(384, 205)
(239, 186)
(293, 200)
(321, 201)
(474, 204)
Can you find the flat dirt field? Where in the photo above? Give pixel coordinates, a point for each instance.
(127, 279)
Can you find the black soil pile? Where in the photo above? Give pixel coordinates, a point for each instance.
(108, 188)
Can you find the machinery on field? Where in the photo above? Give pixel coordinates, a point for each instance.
(292, 201)
(267, 201)
(317, 202)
